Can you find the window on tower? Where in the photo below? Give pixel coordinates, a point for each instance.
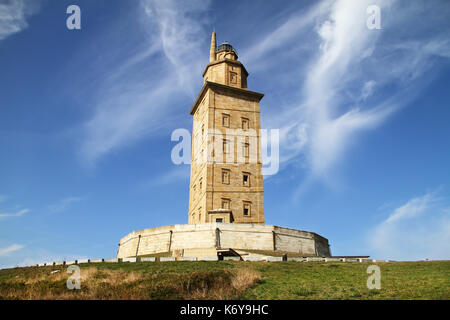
(226, 146)
(246, 150)
(226, 120)
(226, 176)
(245, 123)
(246, 179)
(247, 208)
(226, 204)
(233, 77)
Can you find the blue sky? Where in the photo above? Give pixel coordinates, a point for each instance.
(86, 118)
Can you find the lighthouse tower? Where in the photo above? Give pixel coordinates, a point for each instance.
(226, 168)
(226, 198)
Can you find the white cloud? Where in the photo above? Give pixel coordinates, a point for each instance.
(47, 258)
(350, 73)
(19, 213)
(139, 95)
(15, 214)
(342, 96)
(419, 229)
(124, 116)
(63, 204)
(32, 256)
(344, 39)
(182, 35)
(3, 198)
(13, 16)
(412, 208)
(175, 175)
(284, 36)
(8, 250)
(368, 89)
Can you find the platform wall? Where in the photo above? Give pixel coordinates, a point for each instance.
(205, 237)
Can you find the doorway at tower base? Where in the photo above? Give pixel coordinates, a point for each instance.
(200, 240)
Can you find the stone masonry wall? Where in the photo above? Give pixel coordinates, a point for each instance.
(176, 238)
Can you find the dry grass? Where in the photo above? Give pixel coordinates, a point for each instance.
(230, 280)
(245, 278)
(102, 283)
(229, 288)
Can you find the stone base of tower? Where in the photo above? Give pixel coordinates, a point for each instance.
(211, 239)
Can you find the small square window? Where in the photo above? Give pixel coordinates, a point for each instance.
(226, 204)
(245, 124)
(246, 179)
(225, 120)
(246, 150)
(226, 146)
(219, 220)
(233, 77)
(247, 208)
(226, 176)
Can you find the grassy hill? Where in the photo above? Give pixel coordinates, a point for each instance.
(230, 280)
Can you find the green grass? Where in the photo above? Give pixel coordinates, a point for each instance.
(315, 280)
(231, 280)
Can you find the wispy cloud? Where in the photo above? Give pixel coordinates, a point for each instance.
(63, 204)
(175, 175)
(355, 78)
(413, 208)
(419, 229)
(182, 35)
(140, 92)
(47, 257)
(285, 36)
(15, 214)
(8, 250)
(32, 256)
(14, 14)
(347, 71)
(334, 120)
(3, 198)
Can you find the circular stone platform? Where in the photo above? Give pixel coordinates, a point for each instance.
(207, 239)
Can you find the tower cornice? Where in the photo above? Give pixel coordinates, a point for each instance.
(213, 85)
(235, 62)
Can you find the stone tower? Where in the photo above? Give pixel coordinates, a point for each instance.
(226, 168)
(226, 198)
